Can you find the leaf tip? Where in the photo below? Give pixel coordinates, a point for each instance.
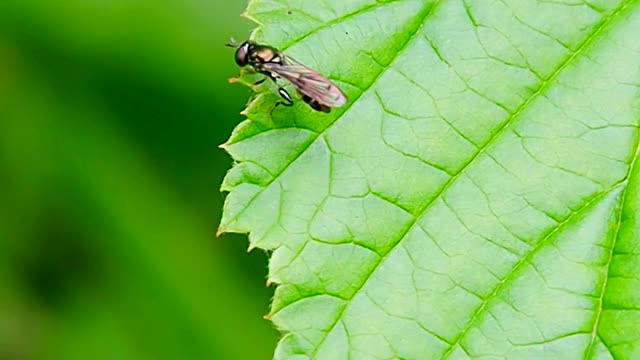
(220, 232)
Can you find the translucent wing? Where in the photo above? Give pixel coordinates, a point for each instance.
(308, 82)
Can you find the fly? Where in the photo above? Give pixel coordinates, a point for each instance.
(316, 90)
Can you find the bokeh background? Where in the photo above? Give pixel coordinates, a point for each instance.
(111, 113)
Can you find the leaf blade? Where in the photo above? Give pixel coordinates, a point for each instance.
(373, 189)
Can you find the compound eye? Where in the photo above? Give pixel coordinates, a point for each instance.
(242, 54)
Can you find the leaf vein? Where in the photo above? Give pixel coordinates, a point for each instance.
(603, 289)
(540, 90)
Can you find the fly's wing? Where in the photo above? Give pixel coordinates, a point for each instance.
(308, 82)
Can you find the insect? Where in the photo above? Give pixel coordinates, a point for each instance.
(315, 89)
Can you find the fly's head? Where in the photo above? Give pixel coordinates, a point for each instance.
(244, 53)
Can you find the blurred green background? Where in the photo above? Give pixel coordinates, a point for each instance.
(111, 113)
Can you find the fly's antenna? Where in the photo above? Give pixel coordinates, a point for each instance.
(232, 43)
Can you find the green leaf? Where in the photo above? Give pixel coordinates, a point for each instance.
(476, 198)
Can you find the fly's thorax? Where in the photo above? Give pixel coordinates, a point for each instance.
(265, 54)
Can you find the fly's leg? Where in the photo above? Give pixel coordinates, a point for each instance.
(247, 71)
(268, 75)
(286, 100)
(259, 82)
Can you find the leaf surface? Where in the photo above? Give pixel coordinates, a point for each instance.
(476, 197)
